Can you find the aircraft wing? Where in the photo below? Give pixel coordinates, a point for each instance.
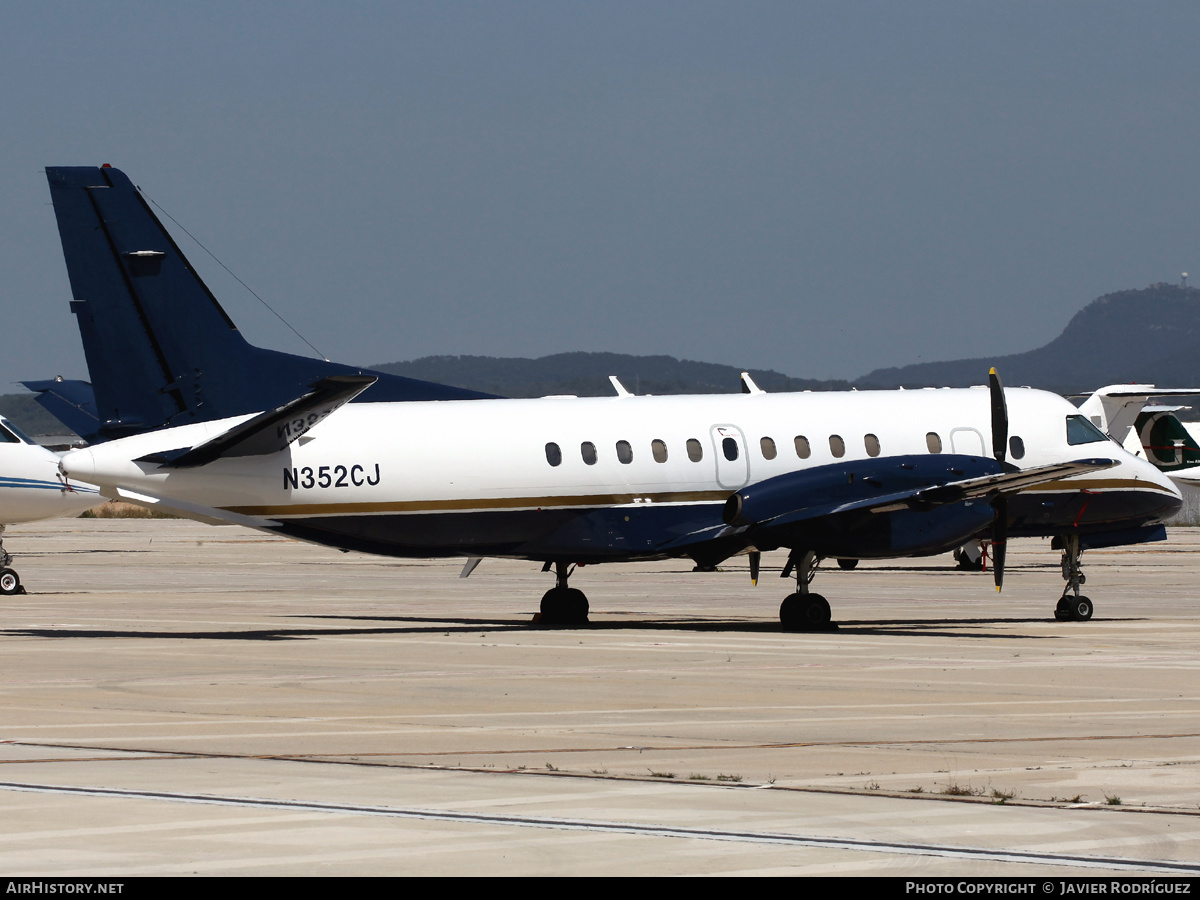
(887, 485)
(1004, 483)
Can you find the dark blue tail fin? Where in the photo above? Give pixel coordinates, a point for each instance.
(160, 349)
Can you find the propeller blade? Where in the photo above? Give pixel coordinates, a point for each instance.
(755, 559)
(999, 540)
(999, 417)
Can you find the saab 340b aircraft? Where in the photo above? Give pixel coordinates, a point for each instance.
(301, 448)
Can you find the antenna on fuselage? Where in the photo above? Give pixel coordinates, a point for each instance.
(616, 383)
(748, 385)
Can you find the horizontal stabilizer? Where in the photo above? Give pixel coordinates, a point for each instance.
(273, 430)
(71, 402)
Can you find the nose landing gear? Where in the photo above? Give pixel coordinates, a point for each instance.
(1072, 606)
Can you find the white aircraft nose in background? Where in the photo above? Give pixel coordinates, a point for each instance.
(32, 488)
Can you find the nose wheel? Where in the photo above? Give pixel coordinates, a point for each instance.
(1072, 606)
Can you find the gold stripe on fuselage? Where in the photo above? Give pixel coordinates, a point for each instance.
(602, 500)
(476, 504)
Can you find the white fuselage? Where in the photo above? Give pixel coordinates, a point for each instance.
(490, 456)
(31, 486)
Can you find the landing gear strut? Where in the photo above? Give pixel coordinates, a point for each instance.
(1072, 607)
(10, 581)
(804, 611)
(562, 605)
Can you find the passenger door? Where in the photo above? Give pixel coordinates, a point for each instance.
(729, 450)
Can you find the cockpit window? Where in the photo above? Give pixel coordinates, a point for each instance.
(11, 434)
(1081, 431)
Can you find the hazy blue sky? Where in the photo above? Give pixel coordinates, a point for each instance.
(818, 188)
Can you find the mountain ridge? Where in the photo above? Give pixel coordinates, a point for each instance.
(1146, 335)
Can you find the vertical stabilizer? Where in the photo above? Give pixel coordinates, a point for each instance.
(160, 349)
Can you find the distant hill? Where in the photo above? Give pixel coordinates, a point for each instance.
(28, 415)
(1149, 336)
(586, 375)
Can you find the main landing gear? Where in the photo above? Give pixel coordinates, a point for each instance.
(10, 581)
(803, 610)
(1072, 606)
(562, 605)
(969, 557)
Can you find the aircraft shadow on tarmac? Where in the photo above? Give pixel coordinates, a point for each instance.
(447, 625)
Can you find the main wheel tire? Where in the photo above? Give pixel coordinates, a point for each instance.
(10, 582)
(966, 563)
(804, 612)
(1081, 609)
(847, 563)
(564, 606)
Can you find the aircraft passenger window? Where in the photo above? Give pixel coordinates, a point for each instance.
(802, 449)
(1016, 447)
(659, 449)
(730, 448)
(624, 452)
(695, 451)
(553, 454)
(588, 451)
(1081, 431)
(837, 446)
(872, 444)
(934, 442)
(768, 447)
